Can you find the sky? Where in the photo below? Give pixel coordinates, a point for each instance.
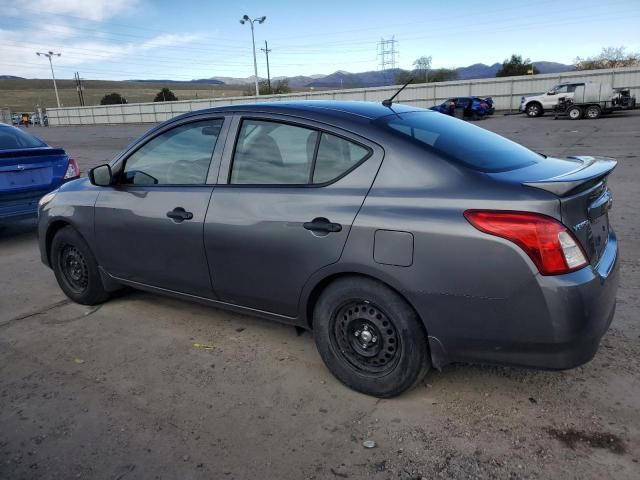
(189, 39)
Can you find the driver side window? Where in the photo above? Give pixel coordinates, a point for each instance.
(180, 156)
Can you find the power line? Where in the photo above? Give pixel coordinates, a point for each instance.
(387, 52)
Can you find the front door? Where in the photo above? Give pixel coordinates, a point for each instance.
(283, 207)
(149, 225)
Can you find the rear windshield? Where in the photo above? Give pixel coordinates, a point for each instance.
(461, 142)
(12, 138)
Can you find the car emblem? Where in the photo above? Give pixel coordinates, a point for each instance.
(579, 226)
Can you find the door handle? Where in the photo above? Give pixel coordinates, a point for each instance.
(179, 214)
(321, 224)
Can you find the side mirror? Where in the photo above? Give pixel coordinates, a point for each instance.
(101, 175)
(551, 92)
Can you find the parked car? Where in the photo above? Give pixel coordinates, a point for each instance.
(535, 105)
(29, 169)
(403, 239)
(473, 107)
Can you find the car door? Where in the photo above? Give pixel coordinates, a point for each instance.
(149, 225)
(286, 198)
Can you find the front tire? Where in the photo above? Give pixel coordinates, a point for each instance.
(76, 268)
(370, 338)
(534, 110)
(575, 113)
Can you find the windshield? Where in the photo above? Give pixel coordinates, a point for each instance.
(13, 138)
(461, 142)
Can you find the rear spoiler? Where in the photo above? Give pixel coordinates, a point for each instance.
(31, 152)
(591, 171)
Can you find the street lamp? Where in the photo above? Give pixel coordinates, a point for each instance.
(49, 55)
(244, 20)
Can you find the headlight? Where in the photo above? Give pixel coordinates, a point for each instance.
(46, 199)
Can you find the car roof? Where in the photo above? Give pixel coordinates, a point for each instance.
(339, 109)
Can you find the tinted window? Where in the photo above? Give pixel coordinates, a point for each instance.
(180, 156)
(273, 153)
(335, 156)
(12, 138)
(472, 146)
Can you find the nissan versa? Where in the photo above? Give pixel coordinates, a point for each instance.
(403, 238)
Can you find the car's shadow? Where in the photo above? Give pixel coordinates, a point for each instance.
(17, 230)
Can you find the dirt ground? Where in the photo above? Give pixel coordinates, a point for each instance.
(147, 387)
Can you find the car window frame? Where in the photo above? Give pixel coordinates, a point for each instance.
(119, 163)
(226, 167)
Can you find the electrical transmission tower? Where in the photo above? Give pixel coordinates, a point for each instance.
(388, 53)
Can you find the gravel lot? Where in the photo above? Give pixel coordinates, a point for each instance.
(122, 392)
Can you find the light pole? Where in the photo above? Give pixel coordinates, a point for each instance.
(244, 20)
(49, 55)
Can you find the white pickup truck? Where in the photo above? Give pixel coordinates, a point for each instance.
(537, 104)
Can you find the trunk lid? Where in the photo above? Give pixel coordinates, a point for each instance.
(31, 169)
(580, 183)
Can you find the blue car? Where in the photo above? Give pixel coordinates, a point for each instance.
(473, 107)
(29, 169)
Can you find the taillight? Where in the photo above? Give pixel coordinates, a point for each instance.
(72, 170)
(547, 242)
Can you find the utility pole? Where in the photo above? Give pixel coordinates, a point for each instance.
(387, 53)
(79, 88)
(49, 55)
(266, 52)
(243, 20)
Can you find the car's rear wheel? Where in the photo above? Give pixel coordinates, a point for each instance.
(76, 268)
(575, 113)
(593, 112)
(369, 337)
(534, 109)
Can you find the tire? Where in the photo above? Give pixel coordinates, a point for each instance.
(534, 109)
(593, 112)
(396, 355)
(76, 268)
(575, 113)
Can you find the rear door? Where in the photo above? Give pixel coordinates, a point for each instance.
(286, 198)
(149, 226)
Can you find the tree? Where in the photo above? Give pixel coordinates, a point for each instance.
(437, 75)
(165, 95)
(609, 57)
(422, 66)
(113, 99)
(516, 66)
(277, 88)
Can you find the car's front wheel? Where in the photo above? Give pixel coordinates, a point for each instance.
(76, 268)
(534, 109)
(370, 338)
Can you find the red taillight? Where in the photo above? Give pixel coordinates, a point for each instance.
(72, 170)
(549, 244)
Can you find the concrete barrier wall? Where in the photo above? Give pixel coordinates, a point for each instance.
(506, 93)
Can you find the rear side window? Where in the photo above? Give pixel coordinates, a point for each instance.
(274, 153)
(461, 142)
(12, 138)
(336, 156)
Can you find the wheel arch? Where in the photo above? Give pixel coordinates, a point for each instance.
(53, 228)
(537, 102)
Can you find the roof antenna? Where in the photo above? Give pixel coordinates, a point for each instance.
(389, 101)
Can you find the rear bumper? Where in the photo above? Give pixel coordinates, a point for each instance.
(17, 207)
(555, 323)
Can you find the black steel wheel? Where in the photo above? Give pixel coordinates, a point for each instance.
(75, 268)
(366, 338)
(370, 338)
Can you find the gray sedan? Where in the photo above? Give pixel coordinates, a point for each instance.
(404, 239)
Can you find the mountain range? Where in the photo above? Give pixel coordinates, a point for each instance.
(343, 79)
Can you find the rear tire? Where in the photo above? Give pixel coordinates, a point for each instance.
(575, 113)
(76, 268)
(370, 338)
(593, 112)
